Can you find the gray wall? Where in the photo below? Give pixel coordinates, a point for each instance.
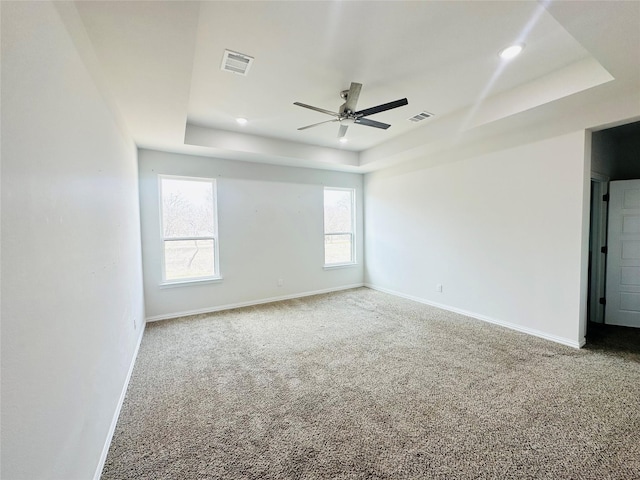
(616, 152)
(628, 156)
(72, 307)
(270, 222)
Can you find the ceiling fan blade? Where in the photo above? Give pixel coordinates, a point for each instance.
(352, 97)
(372, 123)
(319, 123)
(343, 131)
(382, 108)
(321, 110)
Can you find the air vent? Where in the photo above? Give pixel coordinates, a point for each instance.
(235, 62)
(421, 116)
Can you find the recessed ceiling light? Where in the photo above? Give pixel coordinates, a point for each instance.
(511, 51)
(242, 121)
(343, 140)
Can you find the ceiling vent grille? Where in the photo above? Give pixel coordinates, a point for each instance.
(421, 116)
(235, 62)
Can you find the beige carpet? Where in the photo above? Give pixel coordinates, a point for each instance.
(359, 384)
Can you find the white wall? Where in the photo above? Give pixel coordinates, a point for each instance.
(71, 263)
(270, 228)
(501, 231)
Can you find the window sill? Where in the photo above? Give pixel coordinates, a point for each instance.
(340, 265)
(196, 281)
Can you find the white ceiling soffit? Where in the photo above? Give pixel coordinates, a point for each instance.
(255, 148)
(146, 53)
(566, 81)
(163, 63)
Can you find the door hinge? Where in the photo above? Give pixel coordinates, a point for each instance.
(603, 301)
(604, 250)
(605, 197)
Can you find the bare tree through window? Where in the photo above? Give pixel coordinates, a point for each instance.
(188, 228)
(338, 226)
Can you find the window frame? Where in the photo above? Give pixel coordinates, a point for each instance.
(352, 233)
(216, 277)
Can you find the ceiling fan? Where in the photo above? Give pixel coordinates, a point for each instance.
(347, 114)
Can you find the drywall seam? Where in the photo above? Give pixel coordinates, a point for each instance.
(116, 414)
(250, 303)
(484, 318)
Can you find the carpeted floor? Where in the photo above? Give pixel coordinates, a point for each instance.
(363, 385)
(614, 340)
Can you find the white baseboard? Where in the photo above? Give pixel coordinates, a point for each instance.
(116, 415)
(231, 306)
(484, 318)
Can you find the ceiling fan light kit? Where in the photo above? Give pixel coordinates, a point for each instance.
(347, 114)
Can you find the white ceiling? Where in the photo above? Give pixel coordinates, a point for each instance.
(161, 63)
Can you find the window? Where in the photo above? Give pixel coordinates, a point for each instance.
(339, 208)
(189, 229)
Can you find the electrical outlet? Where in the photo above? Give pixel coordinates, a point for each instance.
(439, 288)
(280, 282)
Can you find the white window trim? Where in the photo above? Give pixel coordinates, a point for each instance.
(354, 261)
(184, 282)
(217, 277)
(336, 266)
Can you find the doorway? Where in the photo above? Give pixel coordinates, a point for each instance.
(615, 155)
